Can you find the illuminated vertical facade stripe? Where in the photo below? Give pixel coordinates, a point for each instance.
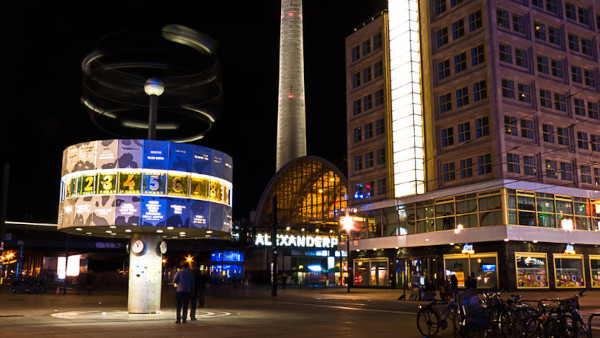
(407, 121)
(291, 120)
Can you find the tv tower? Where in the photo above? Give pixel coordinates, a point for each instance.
(291, 116)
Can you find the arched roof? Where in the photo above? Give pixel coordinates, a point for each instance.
(310, 191)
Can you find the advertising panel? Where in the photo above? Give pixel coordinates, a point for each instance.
(131, 153)
(178, 212)
(153, 210)
(103, 210)
(127, 210)
(106, 154)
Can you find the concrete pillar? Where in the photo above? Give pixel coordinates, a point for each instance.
(145, 271)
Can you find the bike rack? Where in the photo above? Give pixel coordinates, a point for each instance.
(590, 321)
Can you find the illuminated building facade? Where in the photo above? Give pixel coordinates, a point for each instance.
(305, 196)
(486, 142)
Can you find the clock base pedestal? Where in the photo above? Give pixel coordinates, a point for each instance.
(145, 274)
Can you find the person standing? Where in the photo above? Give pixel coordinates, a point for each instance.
(199, 291)
(184, 280)
(453, 285)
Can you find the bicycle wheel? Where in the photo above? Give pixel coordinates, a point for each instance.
(554, 329)
(533, 327)
(428, 322)
(506, 324)
(579, 329)
(519, 317)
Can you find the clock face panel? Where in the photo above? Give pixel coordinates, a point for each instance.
(163, 247)
(137, 246)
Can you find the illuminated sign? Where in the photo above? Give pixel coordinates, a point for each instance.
(468, 249)
(300, 241)
(569, 249)
(145, 183)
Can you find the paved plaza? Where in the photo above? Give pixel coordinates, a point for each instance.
(228, 312)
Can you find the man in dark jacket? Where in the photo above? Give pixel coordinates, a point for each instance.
(184, 280)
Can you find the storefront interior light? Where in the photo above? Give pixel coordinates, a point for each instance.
(534, 241)
(458, 228)
(506, 239)
(567, 224)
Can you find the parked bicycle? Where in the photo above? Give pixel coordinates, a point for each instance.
(27, 285)
(430, 318)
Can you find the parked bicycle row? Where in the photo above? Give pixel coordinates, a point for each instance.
(495, 314)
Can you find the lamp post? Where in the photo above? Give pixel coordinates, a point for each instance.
(348, 224)
(154, 88)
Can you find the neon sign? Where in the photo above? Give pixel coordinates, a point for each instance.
(302, 241)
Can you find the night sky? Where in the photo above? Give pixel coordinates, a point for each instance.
(43, 44)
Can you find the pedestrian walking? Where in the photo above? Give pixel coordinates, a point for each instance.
(199, 293)
(184, 281)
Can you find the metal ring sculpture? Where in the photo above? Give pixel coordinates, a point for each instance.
(115, 72)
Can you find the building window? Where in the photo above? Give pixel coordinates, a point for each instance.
(358, 191)
(597, 176)
(443, 69)
(440, 6)
(563, 136)
(518, 23)
(379, 97)
(510, 125)
(513, 164)
(560, 102)
(464, 132)
(458, 29)
(366, 46)
(590, 78)
(455, 2)
(380, 156)
(378, 69)
(554, 36)
(447, 137)
(574, 43)
(502, 18)
(542, 65)
(595, 142)
(566, 173)
(368, 130)
(460, 62)
(586, 47)
(482, 127)
(367, 74)
(521, 58)
(380, 127)
(508, 89)
(552, 6)
(445, 103)
(466, 168)
(377, 41)
(358, 163)
(576, 74)
(579, 106)
(545, 98)
(484, 164)
(355, 80)
(570, 11)
(368, 102)
(357, 107)
(551, 169)
(355, 53)
(479, 90)
(474, 21)
(557, 68)
(369, 159)
(592, 110)
(586, 174)
(462, 97)
(381, 187)
(441, 37)
(505, 53)
(448, 172)
(529, 165)
(477, 56)
(369, 189)
(357, 134)
(582, 140)
(548, 133)
(524, 92)
(527, 129)
(584, 16)
(540, 31)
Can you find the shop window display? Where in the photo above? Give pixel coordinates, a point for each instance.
(569, 271)
(532, 270)
(595, 270)
(484, 266)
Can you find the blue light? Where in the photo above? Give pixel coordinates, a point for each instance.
(315, 268)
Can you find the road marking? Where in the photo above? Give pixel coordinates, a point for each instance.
(340, 307)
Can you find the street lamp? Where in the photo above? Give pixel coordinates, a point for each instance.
(348, 224)
(153, 88)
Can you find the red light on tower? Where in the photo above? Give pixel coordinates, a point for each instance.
(291, 96)
(291, 13)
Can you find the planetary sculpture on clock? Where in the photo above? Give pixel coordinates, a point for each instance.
(138, 87)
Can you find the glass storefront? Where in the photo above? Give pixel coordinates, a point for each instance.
(371, 272)
(484, 266)
(568, 271)
(532, 270)
(595, 270)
